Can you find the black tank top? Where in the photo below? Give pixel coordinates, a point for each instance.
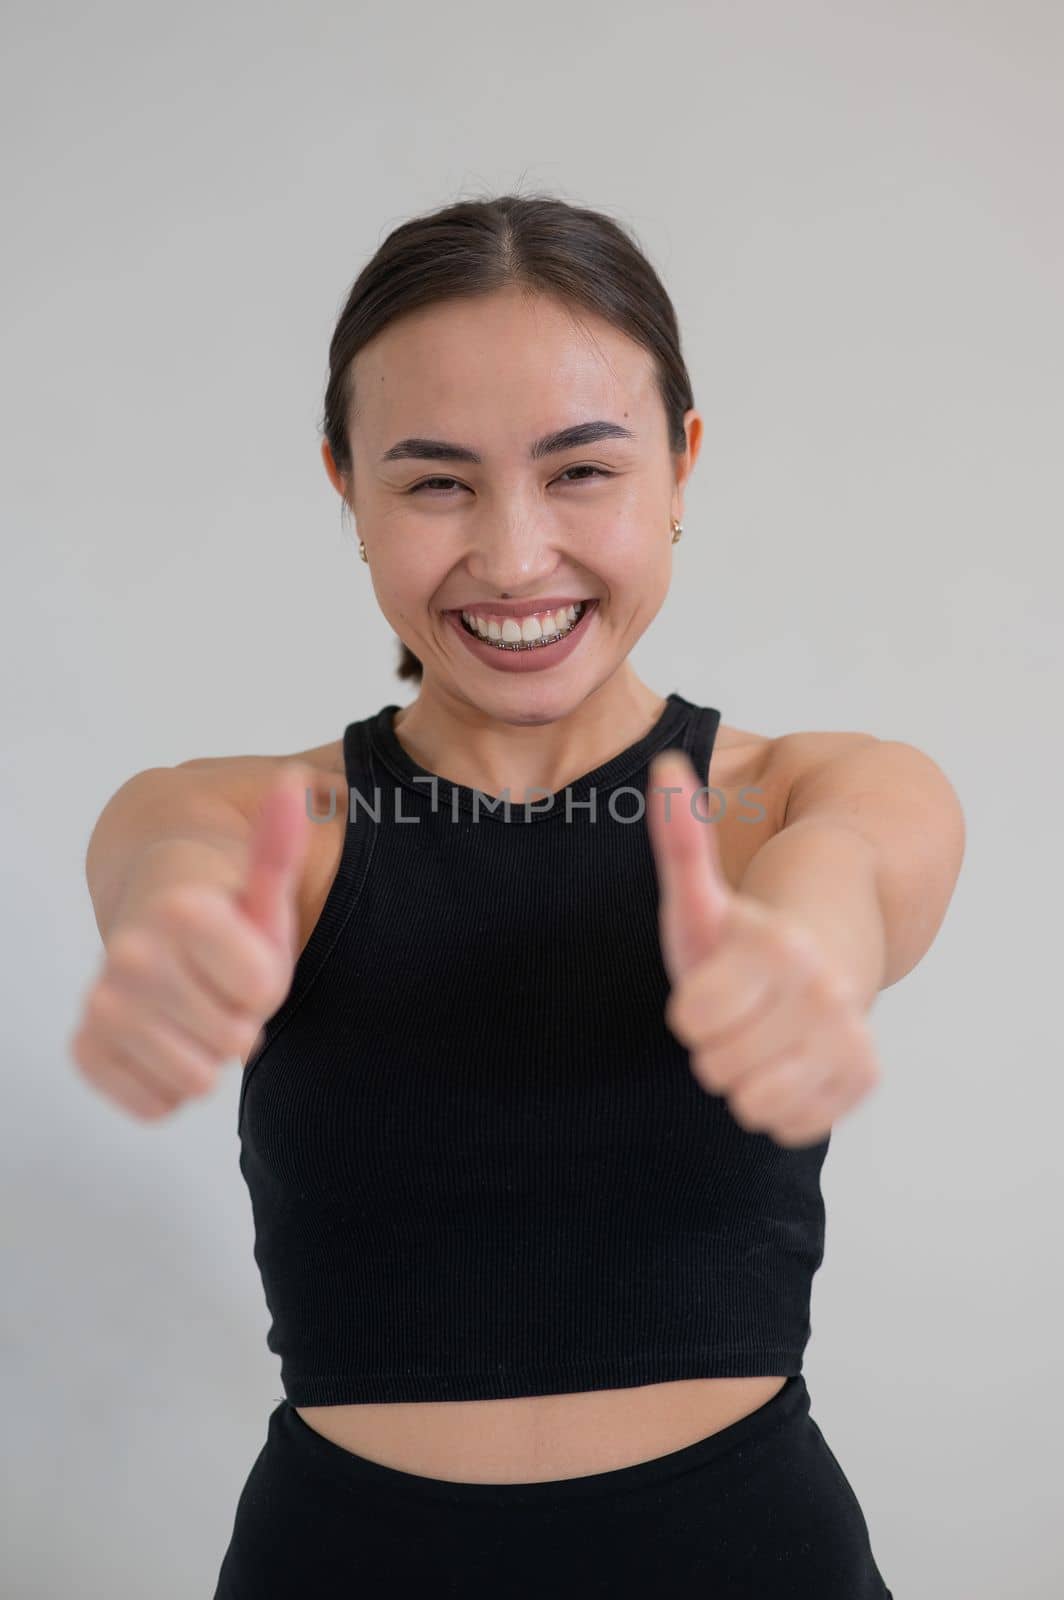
(479, 1163)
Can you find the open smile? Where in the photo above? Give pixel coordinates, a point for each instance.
(535, 630)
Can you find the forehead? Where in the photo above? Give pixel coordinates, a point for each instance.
(530, 361)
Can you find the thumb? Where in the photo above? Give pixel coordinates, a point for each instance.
(277, 849)
(695, 895)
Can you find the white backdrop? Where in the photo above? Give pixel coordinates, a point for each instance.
(856, 209)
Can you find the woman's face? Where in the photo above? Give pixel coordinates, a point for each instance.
(587, 522)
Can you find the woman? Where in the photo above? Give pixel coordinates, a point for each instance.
(534, 1127)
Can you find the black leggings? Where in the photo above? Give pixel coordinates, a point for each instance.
(760, 1510)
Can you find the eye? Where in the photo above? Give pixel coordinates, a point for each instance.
(426, 482)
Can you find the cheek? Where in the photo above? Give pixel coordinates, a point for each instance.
(407, 586)
(624, 545)
(637, 562)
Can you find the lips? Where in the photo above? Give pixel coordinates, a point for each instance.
(519, 655)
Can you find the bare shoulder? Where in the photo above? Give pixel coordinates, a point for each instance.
(772, 763)
(739, 755)
(244, 779)
(743, 773)
(756, 773)
(852, 773)
(796, 758)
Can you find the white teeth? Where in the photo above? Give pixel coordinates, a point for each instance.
(540, 628)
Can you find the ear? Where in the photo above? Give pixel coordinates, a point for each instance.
(335, 476)
(685, 459)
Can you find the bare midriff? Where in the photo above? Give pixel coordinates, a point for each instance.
(538, 1438)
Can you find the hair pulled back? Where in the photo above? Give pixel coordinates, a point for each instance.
(539, 243)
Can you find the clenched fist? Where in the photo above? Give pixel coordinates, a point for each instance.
(769, 1020)
(193, 970)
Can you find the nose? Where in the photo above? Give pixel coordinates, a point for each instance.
(511, 562)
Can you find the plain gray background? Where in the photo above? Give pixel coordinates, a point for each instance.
(857, 211)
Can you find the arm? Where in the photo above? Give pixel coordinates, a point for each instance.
(868, 855)
(197, 906)
(164, 826)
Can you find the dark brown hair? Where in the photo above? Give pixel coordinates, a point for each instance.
(474, 247)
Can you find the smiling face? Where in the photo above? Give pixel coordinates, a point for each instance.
(472, 494)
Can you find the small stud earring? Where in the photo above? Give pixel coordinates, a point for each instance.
(362, 550)
(677, 529)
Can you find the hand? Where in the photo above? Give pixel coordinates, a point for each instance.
(769, 1021)
(191, 974)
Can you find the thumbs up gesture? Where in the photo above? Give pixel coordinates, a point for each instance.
(769, 1021)
(194, 966)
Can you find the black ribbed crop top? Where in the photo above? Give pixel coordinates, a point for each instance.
(479, 1163)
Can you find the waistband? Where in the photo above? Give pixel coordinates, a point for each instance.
(340, 1465)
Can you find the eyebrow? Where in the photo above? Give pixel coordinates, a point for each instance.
(574, 438)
